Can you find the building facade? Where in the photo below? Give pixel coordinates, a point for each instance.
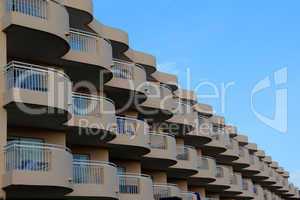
(84, 116)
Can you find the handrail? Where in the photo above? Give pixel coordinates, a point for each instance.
(93, 163)
(88, 34)
(35, 67)
(116, 60)
(83, 33)
(134, 175)
(36, 145)
(161, 134)
(166, 185)
(36, 8)
(92, 97)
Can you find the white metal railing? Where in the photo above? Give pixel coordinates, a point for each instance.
(162, 191)
(188, 196)
(204, 163)
(29, 156)
(35, 8)
(182, 152)
(218, 132)
(252, 159)
(242, 152)
(88, 105)
(128, 126)
(219, 172)
(89, 172)
(235, 179)
(183, 107)
(123, 69)
(83, 41)
(130, 183)
(245, 185)
(159, 140)
(29, 76)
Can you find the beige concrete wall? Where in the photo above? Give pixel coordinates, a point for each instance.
(158, 177)
(96, 154)
(182, 185)
(131, 166)
(3, 115)
(50, 137)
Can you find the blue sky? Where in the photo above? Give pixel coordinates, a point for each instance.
(221, 42)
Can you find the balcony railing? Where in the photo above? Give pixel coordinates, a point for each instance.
(123, 69)
(83, 41)
(245, 185)
(30, 77)
(89, 172)
(128, 126)
(252, 159)
(159, 141)
(35, 8)
(164, 191)
(219, 172)
(29, 156)
(183, 107)
(188, 196)
(130, 183)
(183, 152)
(88, 105)
(203, 163)
(242, 152)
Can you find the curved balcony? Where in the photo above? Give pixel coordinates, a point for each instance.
(201, 135)
(271, 178)
(80, 12)
(132, 139)
(285, 186)
(168, 79)
(254, 167)
(163, 152)
(278, 183)
(184, 118)
(242, 139)
(206, 172)
(94, 180)
(146, 60)
(126, 86)
(247, 189)
(222, 179)
(92, 121)
(292, 193)
(243, 161)
(36, 96)
(186, 163)
(37, 170)
(159, 105)
(135, 186)
(166, 191)
(231, 130)
(258, 192)
(118, 38)
(90, 55)
(187, 95)
(235, 186)
(217, 145)
(33, 23)
(263, 173)
(188, 196)
(232, 153)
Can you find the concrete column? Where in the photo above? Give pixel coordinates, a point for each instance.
(3, 115)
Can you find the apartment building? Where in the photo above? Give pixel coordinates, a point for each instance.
(84, 116)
